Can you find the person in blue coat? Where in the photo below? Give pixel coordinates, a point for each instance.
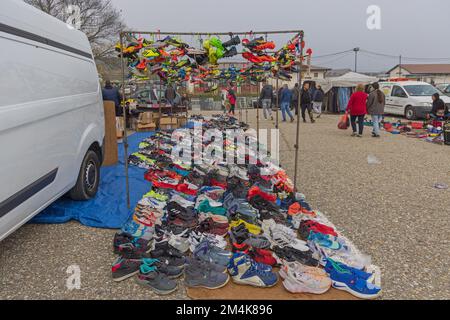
(285, 101)
(111, 93)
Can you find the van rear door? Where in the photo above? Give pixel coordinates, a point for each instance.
(387, 89)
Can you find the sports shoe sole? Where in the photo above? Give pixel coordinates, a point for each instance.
(245, 283)
(342, 286)
(298, 288)
(125, 277)
(209, 288)
(157, 291)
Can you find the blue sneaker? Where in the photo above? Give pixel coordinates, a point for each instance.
(330, 264)
(249, 273)
(241, 258)
(346, 280)
(324, 240)
(138, 230)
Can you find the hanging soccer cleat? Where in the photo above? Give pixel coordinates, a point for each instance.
(234, 41)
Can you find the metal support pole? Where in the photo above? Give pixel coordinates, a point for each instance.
(257, 118)
(356, 58)
(277, 105)
(298, 117)
(125, 132)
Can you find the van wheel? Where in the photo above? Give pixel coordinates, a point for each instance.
(410, 113)
(88, 178)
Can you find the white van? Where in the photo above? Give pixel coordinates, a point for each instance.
(51, 114)
(411, 99)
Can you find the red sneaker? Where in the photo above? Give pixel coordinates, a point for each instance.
(184, 188)
(255, 190)
(263, 256)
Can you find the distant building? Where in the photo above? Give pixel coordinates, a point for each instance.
(431, 73)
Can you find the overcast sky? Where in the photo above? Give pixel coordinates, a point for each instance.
(413, 28)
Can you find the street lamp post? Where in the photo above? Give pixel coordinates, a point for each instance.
(356, 58)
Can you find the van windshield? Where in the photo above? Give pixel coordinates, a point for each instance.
(421, 90)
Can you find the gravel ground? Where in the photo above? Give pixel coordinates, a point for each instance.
(390, 211)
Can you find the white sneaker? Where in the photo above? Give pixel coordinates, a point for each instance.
(182, 201)
(204, 197)
(298, 282)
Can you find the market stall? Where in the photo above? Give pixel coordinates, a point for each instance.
(218, 211)
(339, 89)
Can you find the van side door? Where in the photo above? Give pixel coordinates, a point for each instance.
(399, 100)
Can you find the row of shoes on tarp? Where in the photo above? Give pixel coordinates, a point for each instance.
(214, 223)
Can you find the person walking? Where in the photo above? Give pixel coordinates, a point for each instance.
(224, 100)
(232, 99)
(285, 101)
(265, 99)
(305, 101)
(295, 95)
(318, 100)
(111, 93)
(375, 107)
(357, 109)
(170, 94)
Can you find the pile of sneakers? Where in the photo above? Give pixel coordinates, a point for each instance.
(215, 222)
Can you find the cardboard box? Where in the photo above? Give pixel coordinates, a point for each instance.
(146, 127)
(146, 117)
(182, 121)
(168, 121)
(120, 127)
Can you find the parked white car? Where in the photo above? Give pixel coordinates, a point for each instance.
(51, 114)
(444, 87)
(411, 99)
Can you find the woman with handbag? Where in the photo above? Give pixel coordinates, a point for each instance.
(357, 109)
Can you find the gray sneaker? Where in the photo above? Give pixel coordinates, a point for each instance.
(156, 280)
(195, 277)
(209, 253)
(199, 264)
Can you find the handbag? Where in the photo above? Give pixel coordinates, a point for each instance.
(344, 122)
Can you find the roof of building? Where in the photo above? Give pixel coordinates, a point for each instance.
(425, 68)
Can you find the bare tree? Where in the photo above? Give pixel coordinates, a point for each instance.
(99, 20)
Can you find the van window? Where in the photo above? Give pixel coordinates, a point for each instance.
(421, 90)
(398, 92)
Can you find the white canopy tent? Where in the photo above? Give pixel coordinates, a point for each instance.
(350, 79)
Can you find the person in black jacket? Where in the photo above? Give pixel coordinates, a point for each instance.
(265, 99)
(305, 101)
(111, 93)
(439, 109)
(318, 100)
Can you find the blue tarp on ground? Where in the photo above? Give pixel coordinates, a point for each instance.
(108, 209)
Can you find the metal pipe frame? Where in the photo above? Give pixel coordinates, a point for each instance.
(265, 33)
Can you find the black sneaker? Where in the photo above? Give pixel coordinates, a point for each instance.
(170, 271)
(234, 41)
(124, 238)
(260, 204)
(230, 53)
(132, 251)
(168, 255)
(123, 269)
(292, 255)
